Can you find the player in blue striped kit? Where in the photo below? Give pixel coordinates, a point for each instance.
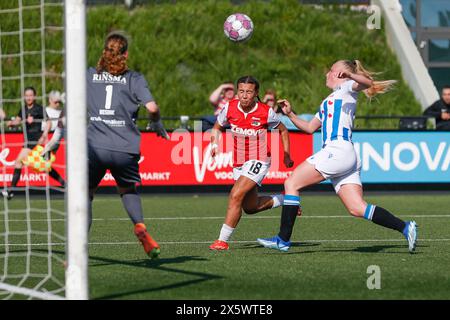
(337, 160)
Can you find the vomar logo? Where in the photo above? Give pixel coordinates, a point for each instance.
(3, 155)
(192, 150)
(405, 156)
(220, 161)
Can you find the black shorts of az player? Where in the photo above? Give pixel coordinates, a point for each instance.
(123, 166)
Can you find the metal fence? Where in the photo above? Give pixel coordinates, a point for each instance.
(379, 122)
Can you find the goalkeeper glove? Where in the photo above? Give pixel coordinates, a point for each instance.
(158, 127)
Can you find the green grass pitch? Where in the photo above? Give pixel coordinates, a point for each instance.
(329, 259)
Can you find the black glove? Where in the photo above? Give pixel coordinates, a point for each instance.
(159, 129)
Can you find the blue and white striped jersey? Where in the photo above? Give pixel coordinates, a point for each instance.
(337, 113)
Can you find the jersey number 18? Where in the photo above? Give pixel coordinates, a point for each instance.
(255, 168)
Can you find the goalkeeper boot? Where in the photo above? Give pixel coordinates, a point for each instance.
(275, 243)
(219, 245)
(151, 247)
(410, 233)
(7, 194)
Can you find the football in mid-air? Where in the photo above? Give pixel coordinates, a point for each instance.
(238, 27)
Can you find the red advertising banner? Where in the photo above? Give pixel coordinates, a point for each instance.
(185, 159)
(10, 148)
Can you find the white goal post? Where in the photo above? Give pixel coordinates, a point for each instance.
(44, 239)
(77, 191)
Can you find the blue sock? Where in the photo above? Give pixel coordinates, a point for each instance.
(368, 214)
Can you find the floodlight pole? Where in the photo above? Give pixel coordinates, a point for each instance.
(77, 190)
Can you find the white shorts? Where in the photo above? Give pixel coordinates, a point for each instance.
(253, 169)
(339, 162)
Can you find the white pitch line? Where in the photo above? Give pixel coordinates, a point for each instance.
(222, 217)
(238, 241)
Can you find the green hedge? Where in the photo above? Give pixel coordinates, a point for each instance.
(181, 49)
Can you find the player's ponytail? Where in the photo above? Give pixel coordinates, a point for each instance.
(378, 87)
(114, 59)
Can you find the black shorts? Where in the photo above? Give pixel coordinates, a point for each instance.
(30, 145)
(32, 140)
(123, 166)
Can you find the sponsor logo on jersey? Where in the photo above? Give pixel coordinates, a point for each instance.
(246, 132)
(107, 112)
(106, 77)
(256, 121)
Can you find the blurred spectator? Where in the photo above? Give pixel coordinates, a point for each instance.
(221, 95)
(53, 110)
(2, 114)
(32, 114)
(440, 110)
(218, 98)
(270, 98)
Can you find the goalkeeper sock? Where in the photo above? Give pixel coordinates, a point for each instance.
(383, 218)
(55, 175)
(288, 215)
(16, 177)
(91, 198)
(133, 206)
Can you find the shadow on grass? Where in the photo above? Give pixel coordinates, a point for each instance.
(376, 249)
(296, 244)
(157, 264)
(364, 249)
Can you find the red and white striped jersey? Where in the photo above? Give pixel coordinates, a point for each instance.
(249, 130)
(222, 103)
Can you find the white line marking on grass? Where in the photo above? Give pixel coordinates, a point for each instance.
(233, 242)
(222, 217)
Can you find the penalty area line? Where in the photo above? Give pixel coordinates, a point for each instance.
(232, 242)
(424, 216)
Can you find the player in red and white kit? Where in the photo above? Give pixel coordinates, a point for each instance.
(249, 120)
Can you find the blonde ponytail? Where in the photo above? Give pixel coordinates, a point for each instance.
(377, 87)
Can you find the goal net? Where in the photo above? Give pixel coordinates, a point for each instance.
(37, 257)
